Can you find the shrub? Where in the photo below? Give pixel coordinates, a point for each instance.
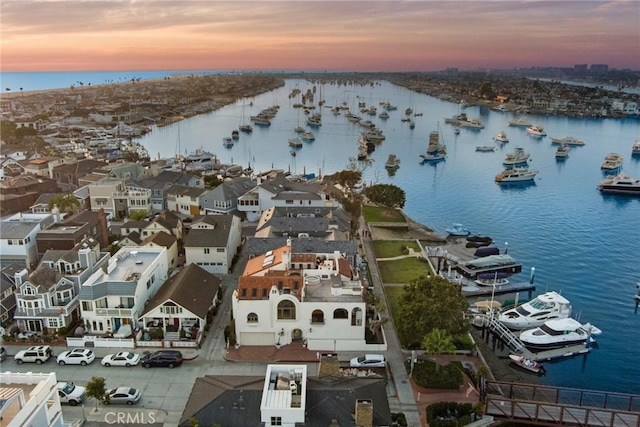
(449, 414)
(448, 377)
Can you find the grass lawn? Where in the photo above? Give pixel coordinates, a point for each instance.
(380, 214)
(391, 248)
(393, 298)
(403, 270)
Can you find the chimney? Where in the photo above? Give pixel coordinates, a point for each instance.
(364, 413)
(104, 228)
(20, 276)
(329, 365)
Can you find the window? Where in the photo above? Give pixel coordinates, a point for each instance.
(276, 421)
(340, 313)
(286, 310)
(53, 323)
(87, 306)
(102, 303)
(206, 251)
(220, 250)
(317, 316)
(252, 318)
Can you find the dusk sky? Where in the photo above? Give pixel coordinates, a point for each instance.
(122, 35)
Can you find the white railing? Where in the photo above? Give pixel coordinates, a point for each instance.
(100, 342)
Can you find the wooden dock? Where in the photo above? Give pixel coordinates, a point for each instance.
(511, 288)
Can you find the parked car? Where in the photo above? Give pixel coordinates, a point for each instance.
(35, 354)
(368, 361)
(165, 358)
(122, 395)
(3, 354)
(71, 393)
(77, 356)
(123, 358)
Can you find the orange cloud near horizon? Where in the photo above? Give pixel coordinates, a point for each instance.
(357, 36)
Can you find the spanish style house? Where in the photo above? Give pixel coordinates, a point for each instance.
(115, 297)
(284, 296)
(182, 303)
(46, 300)
(213, 242)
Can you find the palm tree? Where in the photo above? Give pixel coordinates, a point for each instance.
(65, 202)
(437, 342)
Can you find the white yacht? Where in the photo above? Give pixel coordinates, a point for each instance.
(612, 162)
(472, 123)
(558, 333)
(520, 121)
(562, 152)
(567, 140)
(517, 157)
(531, 314)
(516, 175)
(436, 150)
(535, 130)
(635, 148)
(501, 137)
(620, 184)
(392, 162)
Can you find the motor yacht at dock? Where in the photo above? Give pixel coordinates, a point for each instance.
(531, 314)
(558, 333)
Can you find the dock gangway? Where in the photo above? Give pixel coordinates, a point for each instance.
(505, 334)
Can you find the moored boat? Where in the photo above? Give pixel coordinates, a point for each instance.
(620, 184)
(516, 175)
(392, 162)
(520, 121)
(531, 314)
(458, 230)
(635, 148)
(526, 363)
(485, 148)
(537, 131)
(308, 136)
(612, 162)
(517, 157)
(295, 143)
(568, 140)
(436, 150)
(562, 152)
(558, 333)
(501, 137)
(492, 279)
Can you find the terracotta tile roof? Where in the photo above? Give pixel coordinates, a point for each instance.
(255, 287)
(257, 264)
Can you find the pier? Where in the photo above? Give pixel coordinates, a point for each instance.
(552, 406)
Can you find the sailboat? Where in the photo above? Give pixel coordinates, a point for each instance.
(298, 128)
(436, 150)
(244, 127)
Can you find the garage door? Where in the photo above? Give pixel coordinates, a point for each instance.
(256, 338)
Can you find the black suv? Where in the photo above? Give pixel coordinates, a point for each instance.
(168, 358)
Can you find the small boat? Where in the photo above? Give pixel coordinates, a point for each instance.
(458, 230)
(531, 314)
(501, 137)
(492, 279)
(293, 153)
(635, 148)
(246, 128)
(516, 175)
(308, 136)
(485, 148)
(412, 124)
(568, 140)
(235, 134)
(525, 363)
(517, 157)
(559, 333)
(562, 152)
(298, 129)
(485, 239)
(295, 143)
(383, 115)
(392, 162)
(520, 121)
(620, 184)
(472, 123)
(436, 150)
(537, 131)
(456, 131)
(227, 141)
(612, 162)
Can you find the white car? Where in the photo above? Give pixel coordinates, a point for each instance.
(122, 395)
(368, 361)
(77, 356)
(123, 358)
(35, 354)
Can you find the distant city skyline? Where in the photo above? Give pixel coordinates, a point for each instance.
(121, 35)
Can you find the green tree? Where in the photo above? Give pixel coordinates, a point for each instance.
(437, 342)
(387, 195)
(137, 215)
(347, 178)
(96, 388)
(65, 202)
(427, 303)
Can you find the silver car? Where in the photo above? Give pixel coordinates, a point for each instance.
(122, 395)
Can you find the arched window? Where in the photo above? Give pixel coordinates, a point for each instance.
(252, 318)
(286, 310)
(317, 316)
(340, 313)
(356, 317)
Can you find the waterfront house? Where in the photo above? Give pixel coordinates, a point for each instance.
(330, 223)
(314, 298)
(224, 198)
(212, 242)
(117, 296)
